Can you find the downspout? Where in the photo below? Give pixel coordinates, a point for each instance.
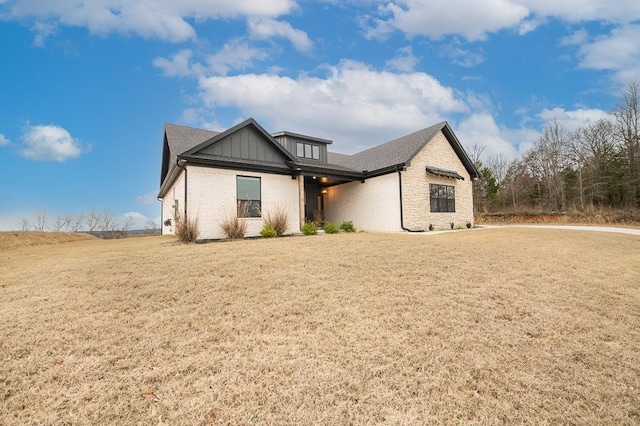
(161, 216)
(181, 166)
(401, 212)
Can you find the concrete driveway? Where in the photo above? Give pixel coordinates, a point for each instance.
(629, 231)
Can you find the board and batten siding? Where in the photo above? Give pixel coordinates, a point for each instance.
(415, 187)
(290, 144)
(373, 206)
(245, 144)
(212, 199)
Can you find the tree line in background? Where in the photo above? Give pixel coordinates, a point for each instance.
(102, 224)
(592, 168)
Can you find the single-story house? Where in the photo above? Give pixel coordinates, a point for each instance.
(406, 184)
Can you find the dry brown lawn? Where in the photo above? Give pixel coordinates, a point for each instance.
(496, 326)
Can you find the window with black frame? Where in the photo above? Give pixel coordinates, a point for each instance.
(305, 150)
(248, 196)
(442, 198)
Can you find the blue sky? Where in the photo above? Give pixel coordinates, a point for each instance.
(85, 87)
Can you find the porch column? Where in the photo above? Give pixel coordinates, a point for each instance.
(301, 198)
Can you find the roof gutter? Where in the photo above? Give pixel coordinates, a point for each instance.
(401, 211)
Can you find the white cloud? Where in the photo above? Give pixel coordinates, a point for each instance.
(376, 28)
(137, 220)
(405, 61)
(200, 117)
(267, 28)
(572, 120)
(435, 18)
(481, 128)
(354, 104)
(179, 65)
(459, 56)
(235, 55)
(529, 24)
(618, 52)
(4, 141)
(42, 30)
(50, 143)
(613, 11)
(162, 19)
(149, 198)
(578, 38)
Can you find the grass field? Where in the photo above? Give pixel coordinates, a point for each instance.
(470, 327)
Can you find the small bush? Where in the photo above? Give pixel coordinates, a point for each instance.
(347, 226)
(331, 228)
(468, 225)
(235, 226)
(277, 219)
(187, 230)
(452, 225)
(310, 228)
(269, 231)
(431, 227)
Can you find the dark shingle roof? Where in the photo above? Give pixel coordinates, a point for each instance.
(400, 151)
(179, 140)
(183, 138)
(397, 151)
(331, 165)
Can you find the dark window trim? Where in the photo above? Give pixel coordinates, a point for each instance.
(442, 198)
(307, 150)
(249, 208)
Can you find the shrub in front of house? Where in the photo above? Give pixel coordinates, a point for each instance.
(331, 228)
(310, 228)
(431, 228)
(347, 226)
(452, 225)
(468, 225)
(234, 226)
(277, 219)
(268, 231)
(187, 229)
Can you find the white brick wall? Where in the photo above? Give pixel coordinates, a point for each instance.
(415, 187)
(176, 192)
(212, 198)
(372, 206)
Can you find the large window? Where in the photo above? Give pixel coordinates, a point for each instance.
(248, 196)
(306, 150)
(443, 198)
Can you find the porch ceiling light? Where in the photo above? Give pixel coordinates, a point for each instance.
(323, 179)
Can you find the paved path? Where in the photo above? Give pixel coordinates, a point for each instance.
(613, 229)
(629, 231)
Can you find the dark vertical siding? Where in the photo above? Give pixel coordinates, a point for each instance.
(245, 144)
(290, 143)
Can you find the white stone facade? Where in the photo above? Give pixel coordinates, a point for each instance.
(415, 187)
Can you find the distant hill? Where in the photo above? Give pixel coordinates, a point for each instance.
(15, 239)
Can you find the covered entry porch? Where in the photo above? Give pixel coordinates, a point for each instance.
(313, 188)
